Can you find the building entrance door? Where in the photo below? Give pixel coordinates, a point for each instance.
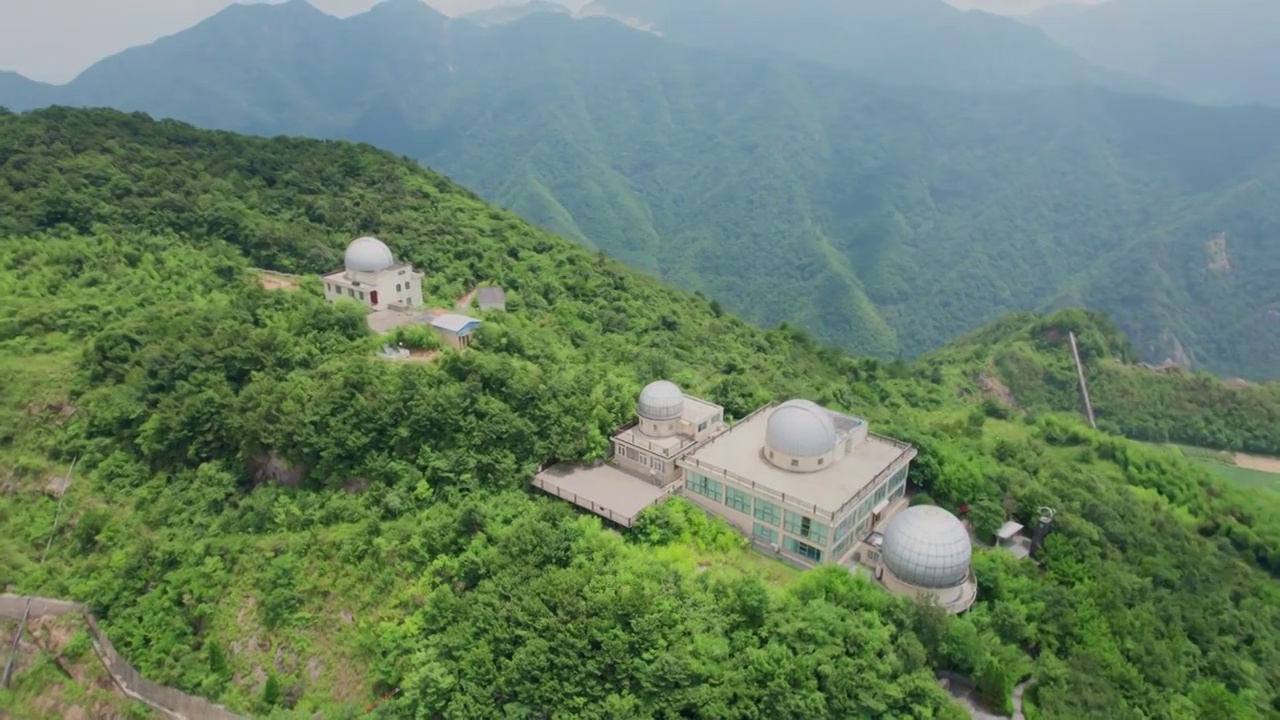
(373, 297)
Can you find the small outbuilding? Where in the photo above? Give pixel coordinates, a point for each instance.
(491, 298)
(455, 329)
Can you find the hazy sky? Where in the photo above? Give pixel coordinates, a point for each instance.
(54, 40)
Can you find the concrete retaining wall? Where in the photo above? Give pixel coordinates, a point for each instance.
(172, 703)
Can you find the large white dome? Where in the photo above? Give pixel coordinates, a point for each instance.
(368, 254)
(928, 547)
(801, 429)
(660, 400)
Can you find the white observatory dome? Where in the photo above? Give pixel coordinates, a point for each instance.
(368, 254)
(801, 429)
(928, 547)
(660, 400)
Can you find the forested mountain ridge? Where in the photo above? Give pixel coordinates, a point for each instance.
(1029, 358)
(408, 556)
(1212, 51)
(884, 220)
(910, 42)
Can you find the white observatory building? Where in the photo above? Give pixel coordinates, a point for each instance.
(668, 423)
(924, 552)
(798, 478)
(373, 278)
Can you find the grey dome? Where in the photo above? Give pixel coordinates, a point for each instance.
(660, 400)
(928, 547)
(800, 428)
(368, 254)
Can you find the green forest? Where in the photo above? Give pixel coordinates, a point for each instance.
(884, 219)
(1029, 356)
(406, 559)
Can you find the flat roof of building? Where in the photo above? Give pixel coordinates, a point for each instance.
(490, 296)
(385, 320)
(740, 451)
(603, 489)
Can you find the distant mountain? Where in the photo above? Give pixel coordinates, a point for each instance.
(925, 42)
(18, 92)
(887, 219)
(513, 11)
(1213, 51)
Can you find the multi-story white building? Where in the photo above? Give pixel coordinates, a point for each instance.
(797, 476)
(373, 278)
(807, 483)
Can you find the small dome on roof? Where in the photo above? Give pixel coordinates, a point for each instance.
(368, 254)
(928, 547)
(801, 429)
(660, 400)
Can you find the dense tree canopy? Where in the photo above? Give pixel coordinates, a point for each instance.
(269, 515)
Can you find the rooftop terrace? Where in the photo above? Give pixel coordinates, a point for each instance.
(603, 489)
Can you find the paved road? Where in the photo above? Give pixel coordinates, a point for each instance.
(965, 692)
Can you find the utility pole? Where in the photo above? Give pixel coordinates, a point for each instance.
(1084, 387)
(26, 611)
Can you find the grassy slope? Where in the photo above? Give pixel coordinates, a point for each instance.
(1029, 355)
(59, 676)
(205, 583)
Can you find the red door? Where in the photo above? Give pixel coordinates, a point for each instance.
(373, 297)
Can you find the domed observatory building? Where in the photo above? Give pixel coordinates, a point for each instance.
(924, 552)
(373, 278)
(643, 469)
(668, 423)
(802, 481)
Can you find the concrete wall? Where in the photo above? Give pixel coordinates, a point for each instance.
(396, 285)
(172, 703)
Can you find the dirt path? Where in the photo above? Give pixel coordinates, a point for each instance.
(1258, 462)
(464, 302)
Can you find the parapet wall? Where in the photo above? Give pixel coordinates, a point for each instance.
(172, 703)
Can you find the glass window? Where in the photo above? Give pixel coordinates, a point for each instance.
(899, 479)
(737, 500)
(881, 492)
(802, 549)
(845, 526)
(704, 486)
(806, 527)
(768, 512)
(765, 533)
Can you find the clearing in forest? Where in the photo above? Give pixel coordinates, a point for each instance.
(277, 281)
(1259, 463)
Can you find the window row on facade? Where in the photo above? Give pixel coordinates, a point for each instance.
(643, 458)
(768, 515)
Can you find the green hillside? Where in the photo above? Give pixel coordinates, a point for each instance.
(885, 220)
(410, 555)
(1031, 359)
